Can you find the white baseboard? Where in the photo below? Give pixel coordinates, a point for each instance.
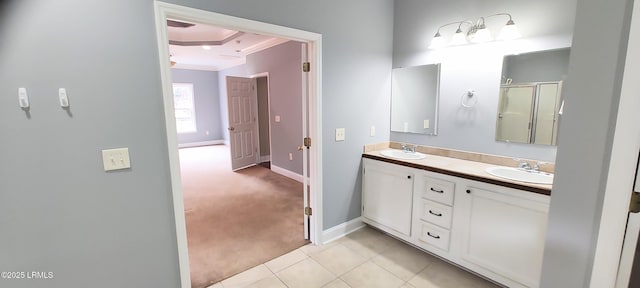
(287, 173)
(203, 143)
(265, 158)
(341, 230)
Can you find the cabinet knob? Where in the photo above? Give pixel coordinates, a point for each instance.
(409, 177)
(468, 191)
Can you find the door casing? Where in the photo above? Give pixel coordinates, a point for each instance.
(163, 11)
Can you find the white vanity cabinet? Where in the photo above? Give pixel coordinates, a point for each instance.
(433, 212)
(503, 230)
(387, 196)
(495, 231)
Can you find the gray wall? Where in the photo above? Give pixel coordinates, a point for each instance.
(59, 211)
(207, 104)
(476, 67)
(542, 66)
(285, 77)
(593, 93)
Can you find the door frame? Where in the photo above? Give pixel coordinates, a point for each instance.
(256, 76)
(622, 165)
(162, 12)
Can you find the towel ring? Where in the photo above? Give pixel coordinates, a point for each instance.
(468, 99)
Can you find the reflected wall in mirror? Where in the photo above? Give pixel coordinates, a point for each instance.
(530, 96)
(414, 99)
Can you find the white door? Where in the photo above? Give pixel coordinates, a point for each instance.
(305, 151)
(243, 131)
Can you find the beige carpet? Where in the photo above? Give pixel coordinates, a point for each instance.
(236, 220)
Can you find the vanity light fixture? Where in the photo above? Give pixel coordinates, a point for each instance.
(476, 33)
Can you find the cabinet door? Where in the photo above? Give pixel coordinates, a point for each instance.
(505, 232)
(387, 195)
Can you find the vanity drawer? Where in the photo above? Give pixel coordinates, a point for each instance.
(438, 190)
(436, 213)
(434, 236)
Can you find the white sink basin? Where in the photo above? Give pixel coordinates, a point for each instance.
(521, 175)
(399, 154)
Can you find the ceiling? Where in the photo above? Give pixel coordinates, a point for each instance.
(204, 47)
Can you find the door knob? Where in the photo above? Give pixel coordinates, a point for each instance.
(231, 128)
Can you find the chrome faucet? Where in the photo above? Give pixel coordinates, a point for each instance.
(524, 165)
(408, 148)
(536, 168)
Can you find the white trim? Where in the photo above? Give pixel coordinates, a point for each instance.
(201, 143)
(265, 158)
(287, 173)
(341, 230)
(622, 166)
(628, 251)
(165, 10)
(315, 132)
(161, 13)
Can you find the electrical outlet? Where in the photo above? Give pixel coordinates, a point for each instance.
(340, 134)
(372, 131)
(425, 124)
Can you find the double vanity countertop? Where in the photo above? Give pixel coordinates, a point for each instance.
(468, 169)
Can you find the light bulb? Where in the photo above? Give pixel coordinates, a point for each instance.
(459, 38)
(509, 31)
(482, 35)
(437, 42)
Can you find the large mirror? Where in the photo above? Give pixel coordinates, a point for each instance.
(414, 99)
(531, 96)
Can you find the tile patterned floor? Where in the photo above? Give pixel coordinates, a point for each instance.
(366, 258)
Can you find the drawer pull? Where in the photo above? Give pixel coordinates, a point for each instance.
(435, 213)
(436, 190)
(434, 236)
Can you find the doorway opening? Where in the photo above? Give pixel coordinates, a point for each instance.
(311, 88)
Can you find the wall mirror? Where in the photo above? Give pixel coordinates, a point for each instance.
(414, 99)
(531, 96)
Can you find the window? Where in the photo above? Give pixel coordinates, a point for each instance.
(184, 107)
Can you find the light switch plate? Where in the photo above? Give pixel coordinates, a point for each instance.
(23, 99)
(372, 131)
(426, 124)
(277, 118)
(63, 97)
(340, 134)
(116, 159)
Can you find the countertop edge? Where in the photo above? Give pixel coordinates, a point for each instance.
(460, 174)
